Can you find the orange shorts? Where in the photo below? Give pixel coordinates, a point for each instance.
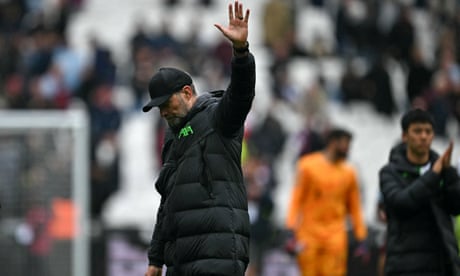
(324, 258)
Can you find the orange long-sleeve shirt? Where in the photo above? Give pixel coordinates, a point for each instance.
(324, 194)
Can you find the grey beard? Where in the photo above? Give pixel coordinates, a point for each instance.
(175, 123)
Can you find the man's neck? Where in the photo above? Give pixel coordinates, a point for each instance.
(330, 156)
(417, 159)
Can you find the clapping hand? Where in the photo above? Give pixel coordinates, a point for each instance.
(444, 160)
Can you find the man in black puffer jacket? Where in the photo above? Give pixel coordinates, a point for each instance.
(421, 193)
(202, 223)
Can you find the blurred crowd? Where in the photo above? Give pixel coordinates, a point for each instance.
(371, 39)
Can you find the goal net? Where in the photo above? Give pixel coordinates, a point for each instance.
(44, 222)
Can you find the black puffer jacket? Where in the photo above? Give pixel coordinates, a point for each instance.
(203, 224)
(419, 207)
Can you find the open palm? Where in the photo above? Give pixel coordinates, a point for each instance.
(237, 30)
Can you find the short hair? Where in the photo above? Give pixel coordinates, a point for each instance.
(416, 115)
(337, 134)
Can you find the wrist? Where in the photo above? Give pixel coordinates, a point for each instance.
(240, 44)
(436, 170)
(241, 48)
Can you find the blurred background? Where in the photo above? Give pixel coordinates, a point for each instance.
(79, 158)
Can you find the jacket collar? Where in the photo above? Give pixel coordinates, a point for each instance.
(200, 104)
(399, 160)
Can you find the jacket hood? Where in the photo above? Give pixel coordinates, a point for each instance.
(201, 103)
(204, 100)
(399, 160)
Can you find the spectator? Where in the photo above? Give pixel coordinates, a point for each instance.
(351, 84)
(101, 70)
(436, 100)
(260, 181)
(283, 89)
(378, 84)
(402, 36)
(267, 140)
(278, 24)
(105, 123)
(419, 76)
(38, 219)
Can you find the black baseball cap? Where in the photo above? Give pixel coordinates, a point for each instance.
(164, 83)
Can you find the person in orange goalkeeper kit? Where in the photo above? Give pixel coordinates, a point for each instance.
(325, 192)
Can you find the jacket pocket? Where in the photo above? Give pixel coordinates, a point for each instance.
(162, 185)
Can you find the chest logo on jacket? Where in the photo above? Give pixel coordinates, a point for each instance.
(185, 131)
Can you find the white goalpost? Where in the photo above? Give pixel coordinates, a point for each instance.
(44, 159)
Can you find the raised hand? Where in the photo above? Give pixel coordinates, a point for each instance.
(237, 29)
(444, 160)
(447, 155)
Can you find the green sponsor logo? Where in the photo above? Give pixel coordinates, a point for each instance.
(185, 131)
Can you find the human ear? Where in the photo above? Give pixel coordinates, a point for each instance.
(404, 136)
(188, 93)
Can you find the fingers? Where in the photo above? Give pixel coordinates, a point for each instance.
(449, 149)
(240, 11)
(230, 13)
(451, 146)
(448, 154)
(218, 26)
(437, 167)
(237, 29)
(236, 12)
(246, 17)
